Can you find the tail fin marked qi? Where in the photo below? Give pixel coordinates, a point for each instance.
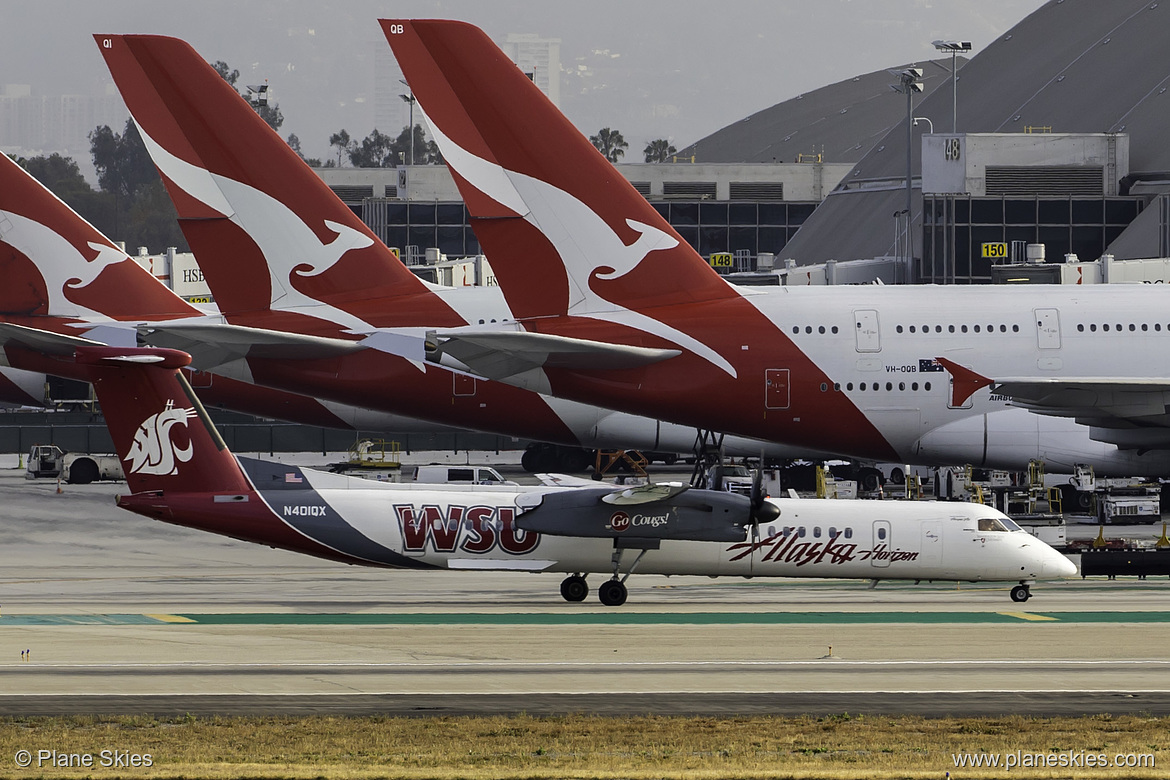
(267, 230)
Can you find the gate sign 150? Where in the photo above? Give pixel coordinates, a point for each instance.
(995, 249)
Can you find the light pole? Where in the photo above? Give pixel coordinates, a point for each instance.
(909, 83)
(954, 47)
(410, 99)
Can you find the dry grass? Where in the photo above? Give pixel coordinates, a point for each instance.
(579, 746)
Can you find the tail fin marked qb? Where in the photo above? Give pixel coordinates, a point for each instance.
(160, 430)
(514, 154)
(566, 234)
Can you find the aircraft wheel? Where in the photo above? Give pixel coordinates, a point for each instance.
(1021, 593)
(612, 593)
(574, 588)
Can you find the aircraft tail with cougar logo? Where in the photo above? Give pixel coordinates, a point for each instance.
(565, 232)
(161, 432)
(177, 465)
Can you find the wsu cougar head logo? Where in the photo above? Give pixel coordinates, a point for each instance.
(152, 451)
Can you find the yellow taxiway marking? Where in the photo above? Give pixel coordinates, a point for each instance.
(1027, 616)
(171, 618)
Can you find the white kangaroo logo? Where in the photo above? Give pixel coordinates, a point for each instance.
(584, 241)
(59, 262)
(283, 237)
(152, 451)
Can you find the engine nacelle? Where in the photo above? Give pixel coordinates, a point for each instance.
(693, 515)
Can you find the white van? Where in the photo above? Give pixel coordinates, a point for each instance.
(460, 475)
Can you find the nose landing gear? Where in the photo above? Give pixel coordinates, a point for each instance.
(1021, 592)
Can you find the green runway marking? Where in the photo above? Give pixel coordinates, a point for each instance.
(580, 618)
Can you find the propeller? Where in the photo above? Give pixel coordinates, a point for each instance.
(762, 510)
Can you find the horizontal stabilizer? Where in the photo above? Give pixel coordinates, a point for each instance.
(213, 344)
(501, 355)
(43, 341)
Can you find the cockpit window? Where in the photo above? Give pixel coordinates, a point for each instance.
(997, 524)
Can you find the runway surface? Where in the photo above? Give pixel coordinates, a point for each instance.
(124, 614)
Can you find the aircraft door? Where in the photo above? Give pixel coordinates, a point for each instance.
(1047, 328)
(462, 385)
(882, 543)
(777, 391)
(200, 379)
(865, 327)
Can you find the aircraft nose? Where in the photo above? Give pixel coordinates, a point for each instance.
(1057, 566)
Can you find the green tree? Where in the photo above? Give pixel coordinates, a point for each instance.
(141, 214)
(122, 163)
(378, 150)
(342, 143)
(373, 151)
(610, 143)
(63, 178)
(295, 144)
(424, 152)
(658, 151)
(268, 110)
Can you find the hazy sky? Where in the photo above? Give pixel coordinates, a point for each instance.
(679, 69)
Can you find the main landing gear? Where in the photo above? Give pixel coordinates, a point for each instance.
(611, 593)
(575, 588)
(1021, 592)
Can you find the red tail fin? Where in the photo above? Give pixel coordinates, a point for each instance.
(55, 263)
(268, 232)
(564, 231)
(162, 434)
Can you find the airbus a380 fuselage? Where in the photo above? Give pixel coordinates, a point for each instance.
(877, 346)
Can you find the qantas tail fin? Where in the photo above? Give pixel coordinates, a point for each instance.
(162, 433)
(565, 232)
(54, 263)
(267, 230)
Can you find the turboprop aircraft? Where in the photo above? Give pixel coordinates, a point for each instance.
(179, 470)
(284, 257)
(875, 372)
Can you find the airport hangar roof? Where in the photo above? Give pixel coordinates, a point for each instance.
(1079, 66)
(843, 120)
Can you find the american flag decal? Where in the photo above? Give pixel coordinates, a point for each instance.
(291, 478)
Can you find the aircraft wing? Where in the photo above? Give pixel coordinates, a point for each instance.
(502, 354)
(1129, 412)
(213, 344)
(644, 494)
(44, 341)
